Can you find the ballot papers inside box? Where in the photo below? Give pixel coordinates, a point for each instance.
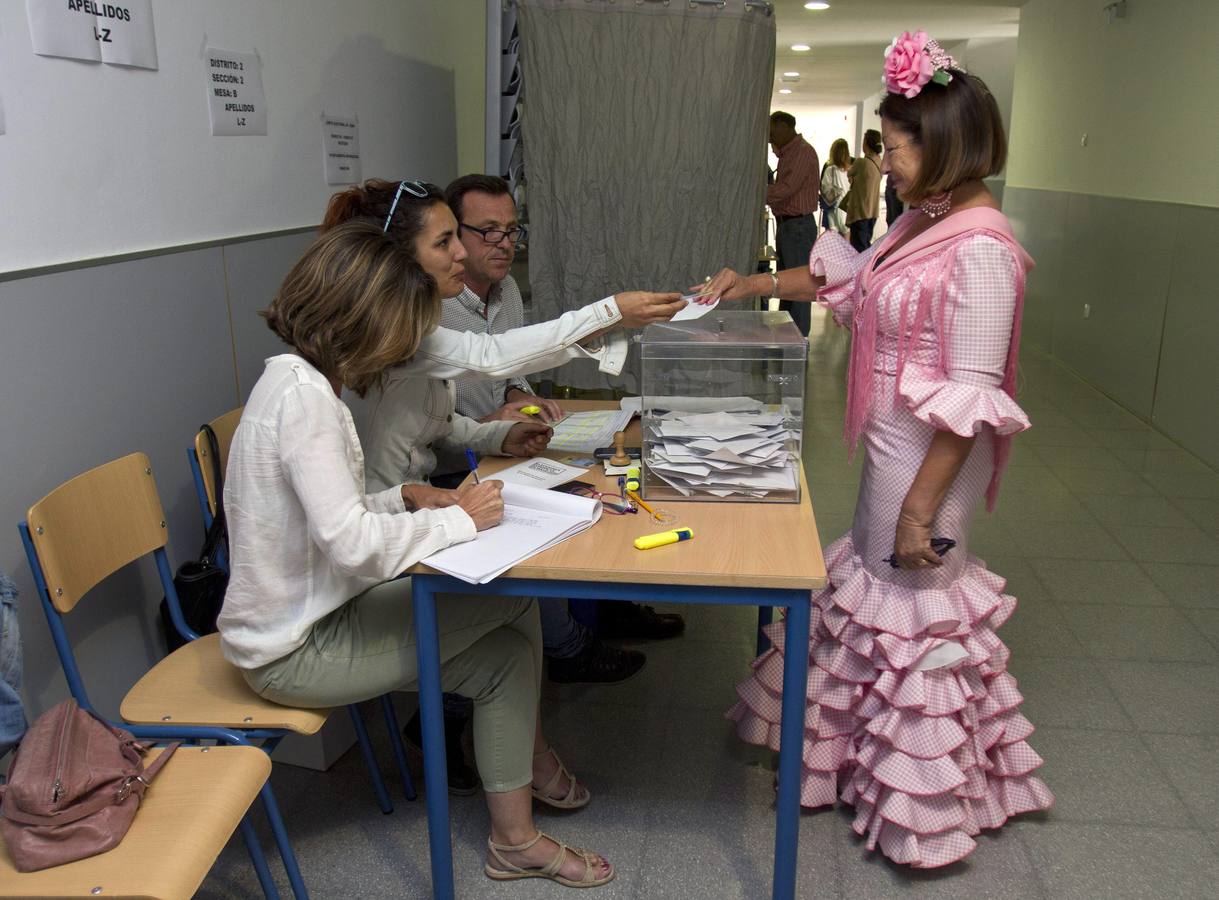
(723, 407)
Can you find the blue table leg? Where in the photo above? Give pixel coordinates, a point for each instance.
(435, 770)
(791, 748)
(765, 615)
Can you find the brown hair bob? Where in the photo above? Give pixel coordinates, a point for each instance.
(958, 127)
(355, 305)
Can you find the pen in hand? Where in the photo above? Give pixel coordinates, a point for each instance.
(473, 461)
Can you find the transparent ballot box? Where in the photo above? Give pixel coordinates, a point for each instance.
(723, 407)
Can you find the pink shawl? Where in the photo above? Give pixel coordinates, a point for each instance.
(942, 240)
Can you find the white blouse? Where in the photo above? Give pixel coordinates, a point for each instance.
(304, 537)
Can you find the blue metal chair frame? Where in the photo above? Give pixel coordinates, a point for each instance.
(424, 589)
(357, 720)
(193, 733)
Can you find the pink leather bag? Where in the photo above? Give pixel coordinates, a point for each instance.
(73, 788)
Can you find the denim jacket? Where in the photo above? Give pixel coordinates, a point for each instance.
(12, 715)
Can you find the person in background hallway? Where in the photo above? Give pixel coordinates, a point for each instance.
(893, 203)
(834, 186)
(793, 201)
(862, 203)
(913, 718)
(491, 304)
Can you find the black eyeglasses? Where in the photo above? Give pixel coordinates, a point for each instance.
(418, 189)
(495, 235)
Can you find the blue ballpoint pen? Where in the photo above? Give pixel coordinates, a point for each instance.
(473, 461)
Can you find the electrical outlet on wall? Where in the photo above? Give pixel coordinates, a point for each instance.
(1087, 310)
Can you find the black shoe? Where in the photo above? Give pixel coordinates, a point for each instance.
(632, 621)
(463, 778)
(597, 663)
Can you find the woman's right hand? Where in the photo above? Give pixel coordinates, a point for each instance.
(640, 308)
(724, 285)
(482, 503)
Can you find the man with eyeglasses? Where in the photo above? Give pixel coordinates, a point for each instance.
(491, 303)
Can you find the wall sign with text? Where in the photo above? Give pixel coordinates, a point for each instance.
(234, 92)
(341, 149)
(120, 33)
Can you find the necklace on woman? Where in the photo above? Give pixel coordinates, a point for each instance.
(935, 207)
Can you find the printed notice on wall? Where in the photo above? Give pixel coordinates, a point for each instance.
(120, 33)
(234, 92)
(341, 148)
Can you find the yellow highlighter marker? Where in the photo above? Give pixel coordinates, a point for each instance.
(531, 410)
(651, 541)
(632, 480)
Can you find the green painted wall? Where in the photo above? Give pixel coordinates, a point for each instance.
(1124, 228)
(1142, 88)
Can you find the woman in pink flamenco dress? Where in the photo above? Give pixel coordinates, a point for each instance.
(912, 717)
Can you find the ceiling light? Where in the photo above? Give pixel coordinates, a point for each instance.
(791, 74)
(817, 6)
(785, 90)
(801, 48)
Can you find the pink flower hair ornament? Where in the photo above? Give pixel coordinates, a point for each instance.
(912, 60)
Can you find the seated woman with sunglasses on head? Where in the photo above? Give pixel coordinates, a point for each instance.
(311, 615)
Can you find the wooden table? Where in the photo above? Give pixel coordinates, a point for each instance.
(755, 554)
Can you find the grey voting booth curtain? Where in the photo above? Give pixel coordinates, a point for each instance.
(644, 130)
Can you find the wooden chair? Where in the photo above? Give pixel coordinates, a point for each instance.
(84, 531)
(183, 823)
(203, 473)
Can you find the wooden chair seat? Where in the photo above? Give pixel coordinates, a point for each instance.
(196, 685)
(192, 809)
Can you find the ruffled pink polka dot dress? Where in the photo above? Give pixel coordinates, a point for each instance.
(912, 717)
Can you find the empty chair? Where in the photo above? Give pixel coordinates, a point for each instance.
(88, 528)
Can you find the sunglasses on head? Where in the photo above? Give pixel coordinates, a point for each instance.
(417, 189)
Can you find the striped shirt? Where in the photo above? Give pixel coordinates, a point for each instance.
(503, 311)
(794, 192)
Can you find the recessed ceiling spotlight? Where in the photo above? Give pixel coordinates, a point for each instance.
(785, 90)
(791, 74)
(801, 48)
(817, 6)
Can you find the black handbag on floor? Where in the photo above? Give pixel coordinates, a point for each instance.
(201, 583)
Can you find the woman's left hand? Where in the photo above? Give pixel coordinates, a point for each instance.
(912, 542)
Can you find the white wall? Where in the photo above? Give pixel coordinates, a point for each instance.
(101, 160)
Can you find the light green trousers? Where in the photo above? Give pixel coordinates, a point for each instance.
(490, 651)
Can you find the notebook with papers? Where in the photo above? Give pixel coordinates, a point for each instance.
(534, 520)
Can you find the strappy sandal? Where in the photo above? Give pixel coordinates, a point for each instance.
(573, 799)
(511, 872)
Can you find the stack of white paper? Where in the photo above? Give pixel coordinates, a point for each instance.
(584, 432)
(722, 453)
(534, 520)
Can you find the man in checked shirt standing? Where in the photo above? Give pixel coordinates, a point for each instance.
(793, 200)
(491, 303)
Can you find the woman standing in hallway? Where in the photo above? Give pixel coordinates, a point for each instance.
(914, 720)
(834, 187)
(862, 202)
